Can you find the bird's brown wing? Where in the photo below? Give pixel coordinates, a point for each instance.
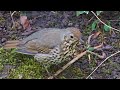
(11, 44)
(32, 47)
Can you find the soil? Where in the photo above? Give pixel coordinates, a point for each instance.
(63, 19)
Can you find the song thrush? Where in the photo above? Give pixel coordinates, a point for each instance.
(49, 45)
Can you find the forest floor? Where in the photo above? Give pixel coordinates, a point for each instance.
(14, 65)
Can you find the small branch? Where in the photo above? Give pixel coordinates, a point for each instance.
(99, 46)
(90, 20)
(89, 58)
(102, 63)
(103, 22)
(89, 38)
(11, 14)
(100, 56)
(96, 34)
(68, 64)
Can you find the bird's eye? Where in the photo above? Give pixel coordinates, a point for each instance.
(71, 36)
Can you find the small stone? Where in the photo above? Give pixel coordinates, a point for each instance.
(1, 28)
(3, 40)
(20, 27)
(76, 25)
(118, 77)
(70, 24)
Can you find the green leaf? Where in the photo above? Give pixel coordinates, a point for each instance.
(98, 12)
(94, 25)
(86, 12)
(77, 13)
(106, 28)
(90, 48)
(23, 13)
(81, 12)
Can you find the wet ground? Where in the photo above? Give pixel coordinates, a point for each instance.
(63, 19)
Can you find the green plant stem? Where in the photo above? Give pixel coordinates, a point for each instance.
(103, 22)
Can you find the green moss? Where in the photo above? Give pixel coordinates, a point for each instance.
(26, 66)
(106, 71)
(77, 72)
(1, 66)
(62, 77)
(72, 72)
(87, 30)
(2, 19)
(28, 69)
(93, 63)
(8, 56)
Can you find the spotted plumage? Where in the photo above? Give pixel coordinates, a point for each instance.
(50, 45)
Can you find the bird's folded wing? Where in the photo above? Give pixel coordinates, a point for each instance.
(23, 51)
(11, 44)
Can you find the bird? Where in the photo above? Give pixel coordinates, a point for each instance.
(49, 45)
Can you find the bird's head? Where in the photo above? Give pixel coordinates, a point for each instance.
(74, 34)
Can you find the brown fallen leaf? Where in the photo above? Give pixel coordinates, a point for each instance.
(96, 34)
(25, 22)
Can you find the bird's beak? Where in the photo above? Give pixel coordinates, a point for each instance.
(81, 41)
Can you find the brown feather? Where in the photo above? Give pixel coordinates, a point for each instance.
(11, 44)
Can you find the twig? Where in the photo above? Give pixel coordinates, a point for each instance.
(102, 63)
(68, 64)
(96, 34)
(90, 20)
(89, 38)
(89, 58)
(99, 46)
(100, 56)
(11, 14)
(103, 22)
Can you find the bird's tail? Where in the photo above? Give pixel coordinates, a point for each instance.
(11, 44)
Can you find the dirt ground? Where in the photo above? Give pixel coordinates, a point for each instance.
(63, 19)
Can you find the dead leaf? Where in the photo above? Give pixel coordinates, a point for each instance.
(25, 22)
(96, 34)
